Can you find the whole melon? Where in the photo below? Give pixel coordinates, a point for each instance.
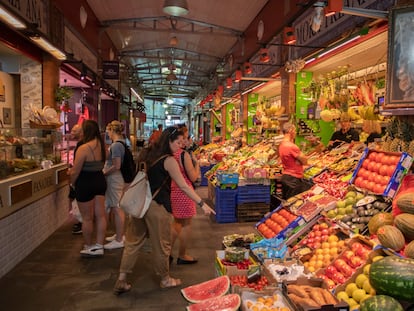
(409, 250)
(393, 276)
(391, 237)
(229, 302)
(378, 220)
(405, 222)
(380, 302)
(209, 289)
(405, 202)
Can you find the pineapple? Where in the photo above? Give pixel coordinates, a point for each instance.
(411, 148)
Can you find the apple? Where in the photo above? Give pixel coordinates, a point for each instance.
(330, 270)
(356, 245)
(348, 254)
(356, 262)
(339, 263)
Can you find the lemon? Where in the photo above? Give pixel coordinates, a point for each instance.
(368, 288)
(350, 288)
(352, 303)
(360, 279)
(358, 294)
(342, 295)
(376, 258)
(366, 269)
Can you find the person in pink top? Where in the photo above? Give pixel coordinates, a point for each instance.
(293, 161)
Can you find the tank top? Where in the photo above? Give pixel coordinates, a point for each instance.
(92, 166)
(156, 177)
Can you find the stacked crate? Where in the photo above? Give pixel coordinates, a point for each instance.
(225, 205)
(252, 202)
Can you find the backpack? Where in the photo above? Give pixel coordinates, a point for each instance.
(137, 197)
(128, 167)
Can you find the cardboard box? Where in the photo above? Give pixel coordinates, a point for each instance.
(315, 282)
(294, 267)
(231, 270)
(249, 296)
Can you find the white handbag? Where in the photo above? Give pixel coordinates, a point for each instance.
(137, 197)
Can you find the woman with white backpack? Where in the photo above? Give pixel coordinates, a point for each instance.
(161, 168)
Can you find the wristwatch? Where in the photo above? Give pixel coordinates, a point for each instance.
(201, 203)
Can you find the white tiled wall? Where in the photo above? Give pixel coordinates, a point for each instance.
(23, 231)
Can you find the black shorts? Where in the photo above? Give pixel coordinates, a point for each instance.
(90, 184)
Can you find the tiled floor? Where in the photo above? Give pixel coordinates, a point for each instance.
(54, 276)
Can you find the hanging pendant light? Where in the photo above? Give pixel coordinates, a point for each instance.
(175, 7)
(289, 35)
(229, 83)
(238, 76)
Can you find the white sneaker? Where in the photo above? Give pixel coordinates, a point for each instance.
(92, 251)
(111, 238)
(114, 244)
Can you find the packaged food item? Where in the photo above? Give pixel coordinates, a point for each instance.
(235, 254)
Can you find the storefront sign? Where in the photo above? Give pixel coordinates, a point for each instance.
(33, 11)
(110, 70)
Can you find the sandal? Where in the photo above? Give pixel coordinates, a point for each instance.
(121, 286)
(170, 282)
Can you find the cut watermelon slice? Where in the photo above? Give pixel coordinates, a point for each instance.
(210, 289)
(229, 302)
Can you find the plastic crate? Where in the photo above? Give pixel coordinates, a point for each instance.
(227, 178)
(225, 205)
(203, 170)
(247, 212)
(253, 194)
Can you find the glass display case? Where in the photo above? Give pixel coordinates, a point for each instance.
(23, 150)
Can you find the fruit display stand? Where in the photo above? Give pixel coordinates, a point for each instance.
(381, 172)
(270, 298)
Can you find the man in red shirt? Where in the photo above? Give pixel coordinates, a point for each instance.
(155, 135)
(292, 161)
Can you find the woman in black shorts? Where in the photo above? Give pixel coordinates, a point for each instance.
(90, 185)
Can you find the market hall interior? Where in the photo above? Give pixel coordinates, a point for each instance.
(54, 277)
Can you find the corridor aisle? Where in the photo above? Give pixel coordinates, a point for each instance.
(55, 278)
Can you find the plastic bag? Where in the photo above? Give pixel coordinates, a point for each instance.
(75, 211)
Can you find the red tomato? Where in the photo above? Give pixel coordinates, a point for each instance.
(366, 163)
(372, 156)
(390, 170)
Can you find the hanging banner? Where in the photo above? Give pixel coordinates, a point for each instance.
(110, 70)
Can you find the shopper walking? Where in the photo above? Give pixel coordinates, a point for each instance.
(183, 208)
(293, 161)
(90, 186)
(162, 167)
(115, 182)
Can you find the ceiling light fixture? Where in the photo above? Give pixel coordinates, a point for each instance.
(171, 76)
(264, 55)
(10, 19)
(289, 35)
(229, 83)
(247, 68)
(173, 41)
(238, 76)
(170, 101)
(175, 7)
(48, 47)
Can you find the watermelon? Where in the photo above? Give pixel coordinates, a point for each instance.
(229, 302)
(380, 303)
(210, 289)
(393, 276)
